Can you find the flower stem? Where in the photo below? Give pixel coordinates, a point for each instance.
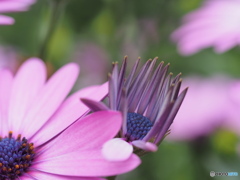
(111, 177)
(56, 10)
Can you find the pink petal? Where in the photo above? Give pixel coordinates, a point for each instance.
(117, 150)
(148, 146)
(211, 25)
(47, 176)
(14, 6)
(5, 20)
(86, 163)
(71, 109)
(226, 42)
(6, 79)
(90, 132)
(208, 37)
(49, 99)
(27, 84)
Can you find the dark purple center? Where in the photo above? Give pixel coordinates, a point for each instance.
(16, 155)
(137, 126)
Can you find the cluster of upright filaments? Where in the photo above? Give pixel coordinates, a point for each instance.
(16, 155)
(137, 126)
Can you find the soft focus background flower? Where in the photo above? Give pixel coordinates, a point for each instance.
(7, 6)
(233, 110)
(204, 109)
(135, 37)
(215, 24)
(113, 29)
(95, 62)
(8, 58)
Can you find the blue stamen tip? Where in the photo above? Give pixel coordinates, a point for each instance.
(137, 126)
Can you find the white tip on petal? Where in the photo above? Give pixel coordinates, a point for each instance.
(145, 145)
(117, 150)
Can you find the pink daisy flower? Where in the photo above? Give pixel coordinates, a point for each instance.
(216, 24)
(40, 137)
(149, 101)
(7, 6)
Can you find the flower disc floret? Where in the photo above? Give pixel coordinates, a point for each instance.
(137, 126)
(16, 155)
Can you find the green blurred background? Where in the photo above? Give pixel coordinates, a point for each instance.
(94, 33)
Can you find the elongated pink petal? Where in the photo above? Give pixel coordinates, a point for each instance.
(90, 132)
(14, 6)
(27, 83)
(6, 79)
(7, 6)
(227, 42)
(148, 146)
(86, 163)
(48, 176)
(49, 99)
(117, 150)
(5, 20)
(68, 112)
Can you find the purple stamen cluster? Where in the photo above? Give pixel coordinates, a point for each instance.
(137, 126)
(16, 155)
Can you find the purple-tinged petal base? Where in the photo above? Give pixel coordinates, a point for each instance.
(148, 146)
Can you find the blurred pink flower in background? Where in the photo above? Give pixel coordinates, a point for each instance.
(204, 109)
(137, 36)
(233, 123)
(95, 61)
(8, 6)
(8, 58)
(215, 24)
(148, 33)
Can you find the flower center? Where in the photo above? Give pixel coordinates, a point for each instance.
(16, 155)
(137, 126)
